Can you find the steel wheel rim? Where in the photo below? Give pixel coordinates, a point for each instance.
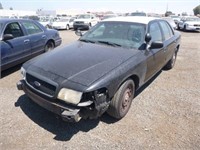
(127, 98)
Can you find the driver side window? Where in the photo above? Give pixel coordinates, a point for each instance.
(155, 32)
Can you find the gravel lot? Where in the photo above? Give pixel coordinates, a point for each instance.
(164, 115)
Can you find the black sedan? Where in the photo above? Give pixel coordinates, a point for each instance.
(21, 40)
(102, 70)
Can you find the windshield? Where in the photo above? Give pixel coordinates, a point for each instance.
(192, 19)
(138, 14)
(123, 34)
(174, 16)
(83, 17)
(44, 19)
(62, 20)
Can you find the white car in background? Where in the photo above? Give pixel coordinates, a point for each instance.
(46, 22)
(85, 21)
(175, 18)
(64, 23)
(190, 23)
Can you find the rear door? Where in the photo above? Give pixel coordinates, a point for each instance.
(16, 48)
(155, 57)
(36, 35)
(169, 40)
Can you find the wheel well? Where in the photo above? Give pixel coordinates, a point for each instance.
(51, 41)
(177, 48)
(136, 80)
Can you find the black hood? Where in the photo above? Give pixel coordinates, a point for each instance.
(80, 62)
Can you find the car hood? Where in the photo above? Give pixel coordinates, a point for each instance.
(59, 23)
(80, 62)
(86, 20)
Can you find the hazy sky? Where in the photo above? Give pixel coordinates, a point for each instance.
(156, 6)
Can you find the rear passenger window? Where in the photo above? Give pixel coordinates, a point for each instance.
(167, 31)
(155, 32)
(32, 28)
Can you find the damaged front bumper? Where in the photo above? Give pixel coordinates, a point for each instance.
(67, 113)
(88, 109)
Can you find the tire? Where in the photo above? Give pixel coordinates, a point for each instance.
(90, 25)
(178, 27)
(121, 102)
(184, 29)
(49, 46)
(67, 27)
(171, 62)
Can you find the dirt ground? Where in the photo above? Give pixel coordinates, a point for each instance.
(164, 115)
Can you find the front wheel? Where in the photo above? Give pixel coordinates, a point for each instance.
(49, 46)
(122, 100)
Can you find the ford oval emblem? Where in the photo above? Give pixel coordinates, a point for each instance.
(37, 84)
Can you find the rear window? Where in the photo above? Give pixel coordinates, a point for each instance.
(32, 28)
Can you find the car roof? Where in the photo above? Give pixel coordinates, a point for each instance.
(5, 20)
(135, 19)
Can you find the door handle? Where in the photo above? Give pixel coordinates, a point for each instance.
(26, 41)
(44, 37)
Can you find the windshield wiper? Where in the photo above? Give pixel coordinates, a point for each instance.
(109, 43)
(87, 41)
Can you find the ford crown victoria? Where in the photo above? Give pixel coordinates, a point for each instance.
(103, 69)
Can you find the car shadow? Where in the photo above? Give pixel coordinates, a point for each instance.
(62, 130)
(142, 88)
(10, 71)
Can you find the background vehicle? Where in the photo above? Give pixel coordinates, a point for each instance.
(175, 18)
(64, 23)
(85, 21)
(189, 23)
(103, 69)
(137, 14)
(46, 21)
(171, 22)
(21, 40)
(109, 16)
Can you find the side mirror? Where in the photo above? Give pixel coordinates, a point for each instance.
(78, 32)
(148, 38)
(156, 44)
(8, 37)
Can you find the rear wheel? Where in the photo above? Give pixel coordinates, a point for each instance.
(49, 46)
(122, 100)
(67, 27)
(178, 27)
(184, 29)
(171, 62)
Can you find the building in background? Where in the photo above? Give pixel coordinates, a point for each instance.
(5, 13)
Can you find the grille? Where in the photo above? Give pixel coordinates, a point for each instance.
(197, 25)
(41, 85)
(79, 22)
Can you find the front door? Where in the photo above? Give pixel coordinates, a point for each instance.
(155, 57)
(14, 49)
